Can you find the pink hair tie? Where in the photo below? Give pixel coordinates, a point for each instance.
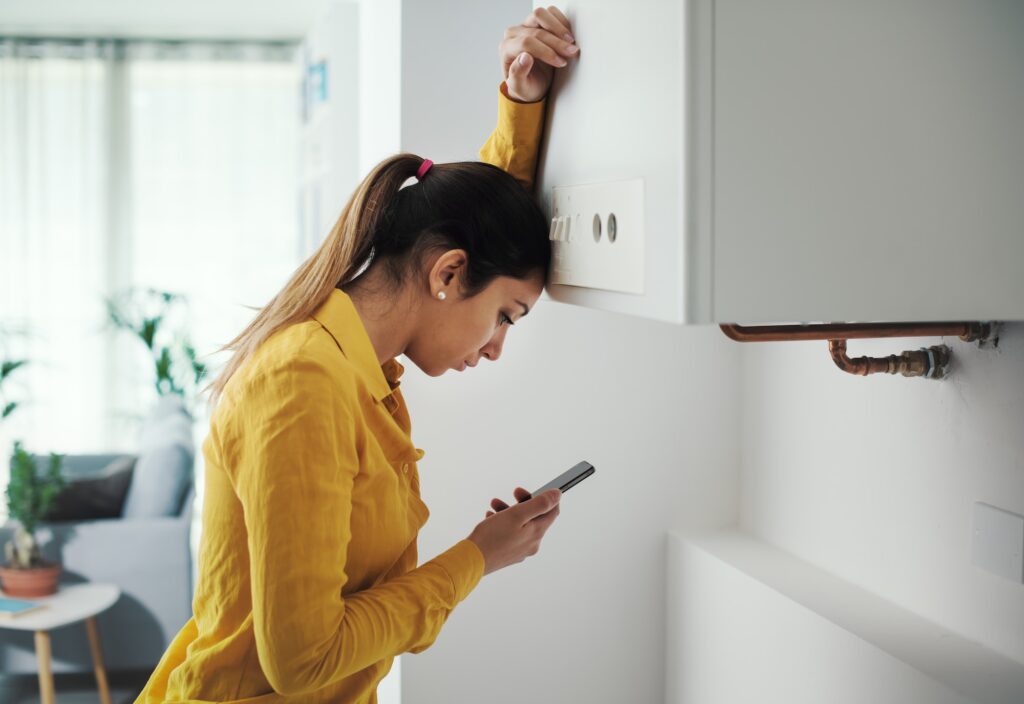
(424, 168)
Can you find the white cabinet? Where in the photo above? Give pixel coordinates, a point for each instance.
(800, 160)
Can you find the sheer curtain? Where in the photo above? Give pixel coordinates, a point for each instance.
(54, 235)
(170, 165)
(214, 173)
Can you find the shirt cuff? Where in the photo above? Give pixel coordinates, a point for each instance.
(522, 123)
(464, 564)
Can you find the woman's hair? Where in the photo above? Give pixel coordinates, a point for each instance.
(467, 205)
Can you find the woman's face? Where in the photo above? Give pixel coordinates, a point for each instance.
(457, 332)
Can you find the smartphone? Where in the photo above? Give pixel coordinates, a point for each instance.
(568, 480)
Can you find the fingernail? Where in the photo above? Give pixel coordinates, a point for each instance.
(522, 59)
(572, 49)
(568, 37)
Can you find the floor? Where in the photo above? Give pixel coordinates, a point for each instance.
(72, 688)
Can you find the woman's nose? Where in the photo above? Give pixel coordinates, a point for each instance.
(492, 350)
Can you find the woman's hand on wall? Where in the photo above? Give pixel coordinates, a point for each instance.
(531, 51)
(513, 534)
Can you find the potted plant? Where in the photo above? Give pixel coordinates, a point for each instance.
(30, 496)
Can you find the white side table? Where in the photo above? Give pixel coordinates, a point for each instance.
(71, 603)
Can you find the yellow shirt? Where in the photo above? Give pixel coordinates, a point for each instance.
(308, 581)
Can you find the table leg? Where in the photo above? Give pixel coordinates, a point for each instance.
(43, 655)
(97, 660)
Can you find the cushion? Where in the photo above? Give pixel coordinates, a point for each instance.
(163, 471)
(101, 496)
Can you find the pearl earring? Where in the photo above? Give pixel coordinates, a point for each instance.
(442, 295)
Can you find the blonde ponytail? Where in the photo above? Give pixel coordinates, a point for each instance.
(346, 248)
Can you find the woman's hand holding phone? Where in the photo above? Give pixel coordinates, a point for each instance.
(538, 511)
(513, 534)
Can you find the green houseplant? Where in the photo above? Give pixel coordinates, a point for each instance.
(30, 496)
(157, 318)
(8, 367)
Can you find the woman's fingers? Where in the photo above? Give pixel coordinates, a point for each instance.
(547, 19)
(561, 46)
(519, 70)
(539, 50)
(521, 495)
(512, 49)
(561, 18)
(539, 505)
(515, 42)
(543, 522)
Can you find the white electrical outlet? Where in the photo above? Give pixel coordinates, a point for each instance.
(597, 236)
(998, 542)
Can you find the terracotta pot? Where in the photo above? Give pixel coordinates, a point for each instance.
(33, 582)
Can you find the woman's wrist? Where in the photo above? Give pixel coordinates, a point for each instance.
(517, 99)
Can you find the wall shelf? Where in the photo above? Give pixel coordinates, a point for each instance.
(799, 634)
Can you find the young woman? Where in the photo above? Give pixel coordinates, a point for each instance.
(308, 581)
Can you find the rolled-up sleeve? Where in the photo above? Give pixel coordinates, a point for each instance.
(298, 455)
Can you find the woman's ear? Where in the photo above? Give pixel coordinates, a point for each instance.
(449, 268)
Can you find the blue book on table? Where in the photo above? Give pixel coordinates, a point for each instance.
(10, 608)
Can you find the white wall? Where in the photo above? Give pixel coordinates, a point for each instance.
(874, 479)
(451, 73)
(653, 406)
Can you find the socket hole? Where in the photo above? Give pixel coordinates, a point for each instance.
(613, 229)
(597, 227)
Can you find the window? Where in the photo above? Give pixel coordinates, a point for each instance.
(171, 165)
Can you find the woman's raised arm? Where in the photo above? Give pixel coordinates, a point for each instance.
(529, 54)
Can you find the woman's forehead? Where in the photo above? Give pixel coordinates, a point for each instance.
(523, 289)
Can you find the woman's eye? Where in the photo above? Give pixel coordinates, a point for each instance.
(506, 319)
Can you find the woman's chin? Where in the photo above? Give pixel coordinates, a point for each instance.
(433, 371)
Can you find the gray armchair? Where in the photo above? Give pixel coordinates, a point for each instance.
(147, 555)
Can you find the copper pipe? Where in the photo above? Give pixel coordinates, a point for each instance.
(931, 362)
(966, 331)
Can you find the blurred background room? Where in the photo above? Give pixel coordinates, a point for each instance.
(761, 527)
(149, 198)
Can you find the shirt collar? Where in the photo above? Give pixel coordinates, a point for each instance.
(339, 317)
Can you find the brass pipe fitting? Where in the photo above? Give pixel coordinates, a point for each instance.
(930, 362)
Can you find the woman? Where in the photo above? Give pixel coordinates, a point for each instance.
(308, 580)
